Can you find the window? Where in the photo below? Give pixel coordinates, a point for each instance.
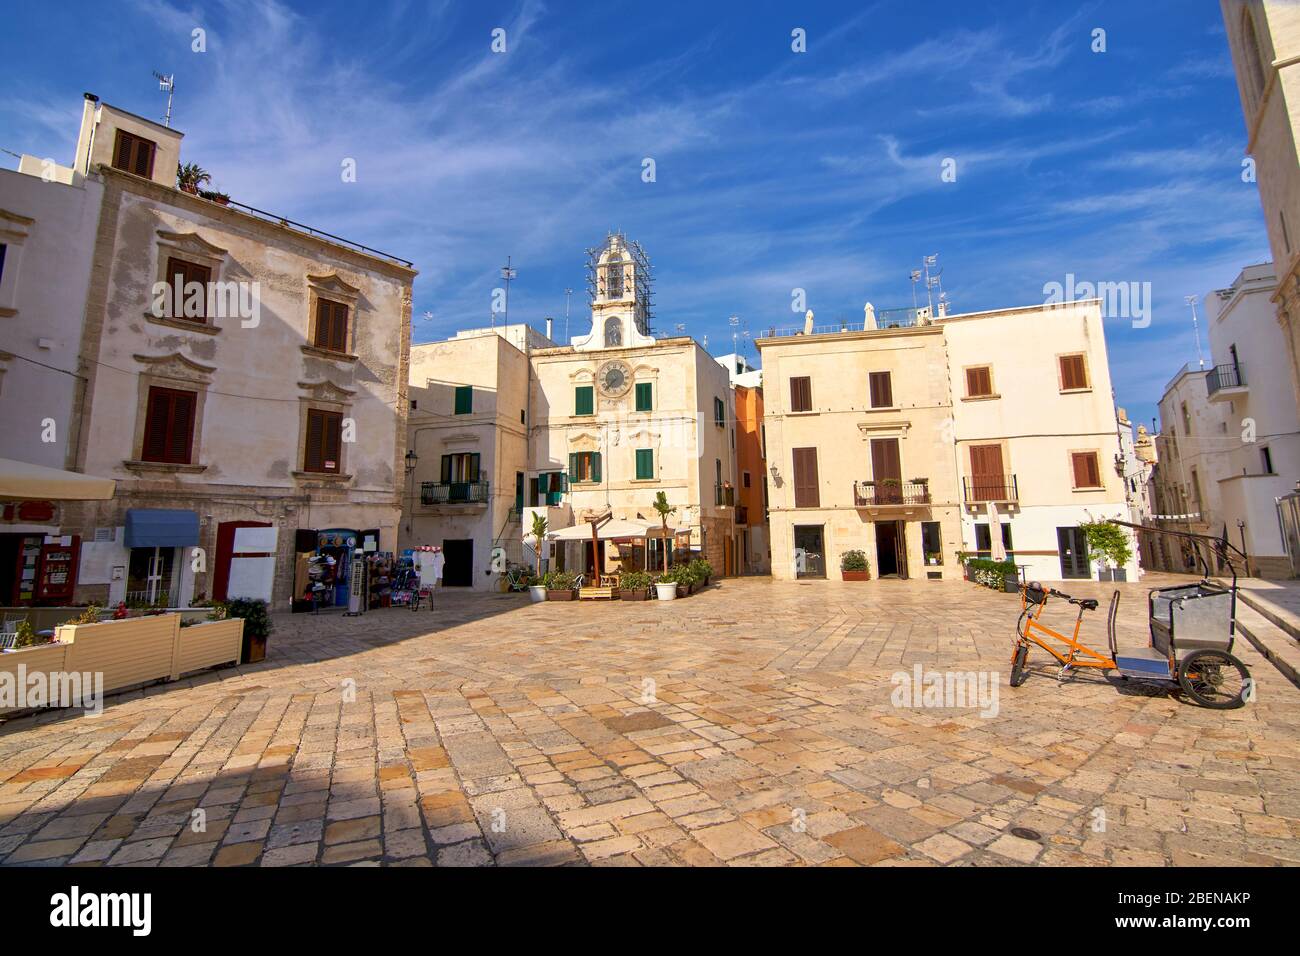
(882, 390)
(806, 493)
(584, 466)
(644, 397)
(3, 247)
(331, 326)
(1074, 373)
(464, 399)
(547, 488)
(931, 543)
(1187, 420)
(645, 463)
(324, 431)
(523, 417)
(614, 277)
(719, 413)
(984, 540)
(460, 467)
(1266, 460)
(189, 284)
(584, 400)
(801, 394)
(415, 404)
(169, 426)
(979, 381)
(133, 154)
(613, 332)
(744, 478)
(1087, 472)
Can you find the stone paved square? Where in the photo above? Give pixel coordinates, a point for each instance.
(751, 724)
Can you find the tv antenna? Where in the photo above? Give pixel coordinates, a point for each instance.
(507, 274)
(166, 84)
(1196, 328)
(567, 294)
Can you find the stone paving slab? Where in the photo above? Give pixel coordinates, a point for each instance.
(755, 723)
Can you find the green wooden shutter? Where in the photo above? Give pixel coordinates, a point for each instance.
(644, 397)
(719, 413)
(573, 468)
(645, 463)
(473, 471)
(464, 399)
(583, 400)
(595, 466)
(446, 469)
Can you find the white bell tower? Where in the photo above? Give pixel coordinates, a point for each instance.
(619, 287)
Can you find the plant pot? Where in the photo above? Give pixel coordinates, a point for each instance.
(637, 594)
(537, 592)
(254, 648)
(855, 575)
(1011, 583)
(1105, 574)
(1119, 574)
(666, 592)
(560, 595)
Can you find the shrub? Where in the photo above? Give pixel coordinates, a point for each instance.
(27, 636)
(1108, 542)
(854, 561)
(636, 580)
(990, 573)
(674, 575)
(702, 569)
(561, 580)
(89, 616)
(256, 615)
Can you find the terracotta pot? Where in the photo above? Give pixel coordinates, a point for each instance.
(554, 595)
(639, 594)
(856, 575)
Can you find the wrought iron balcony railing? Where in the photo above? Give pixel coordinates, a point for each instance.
(890, 491)
(993, 488)
(1224, 376)
(453, 492)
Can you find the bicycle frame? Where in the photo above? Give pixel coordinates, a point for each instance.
(1080, 655)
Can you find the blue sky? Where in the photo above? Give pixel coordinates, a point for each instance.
(774, 170)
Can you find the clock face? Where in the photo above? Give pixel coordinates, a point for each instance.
(614, 378)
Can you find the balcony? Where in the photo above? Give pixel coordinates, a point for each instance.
(999, 489)
(1225, 382)
(891, 493)
(454, 492)
(724, 495)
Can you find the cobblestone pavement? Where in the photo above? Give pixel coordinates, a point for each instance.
(750, 724)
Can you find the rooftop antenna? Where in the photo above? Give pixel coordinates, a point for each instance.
(507, 274)
(167, 84)
(916, 277)
(931, 281)
(567, 293)
(734, 322)
(1196, 328)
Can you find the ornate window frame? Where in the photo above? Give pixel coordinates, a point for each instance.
(175, 371)
(329, 397)
(191, 247)
(333, 288)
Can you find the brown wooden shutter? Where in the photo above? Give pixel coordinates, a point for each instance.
(122, 152)
(1087, 473)
(801, 394)
(155, 426)
(978, 382)
(333, 424)
(181, 433)
(806, 492)
(1073, 372)
(169, 426)
(143, 165)
(314, 454)
(885, 461)
(882, 391)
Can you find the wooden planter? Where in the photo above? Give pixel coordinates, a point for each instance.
(639, 594)
(855, 575)
(560, 595)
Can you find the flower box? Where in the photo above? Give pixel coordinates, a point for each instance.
(559, 594)
(634, 594)
(856, 575)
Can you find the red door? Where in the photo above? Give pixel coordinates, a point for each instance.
(225, 551)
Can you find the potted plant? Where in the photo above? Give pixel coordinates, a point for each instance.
(559, 585)
(216, 196)
(190, 177)
(635, 586)
(26, 635)
(666, 585)
(854, 566)
(1111, 546)
(702, 570)
(537, 586)
(664, 509)
(257, 625)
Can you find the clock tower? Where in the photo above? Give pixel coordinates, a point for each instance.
(619, 288)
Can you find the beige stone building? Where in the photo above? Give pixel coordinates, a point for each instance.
(468, 432)
(913, 442)
(241, 377)
(619, 415)
(1264, 36)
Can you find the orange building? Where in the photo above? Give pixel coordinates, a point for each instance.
(753, 548)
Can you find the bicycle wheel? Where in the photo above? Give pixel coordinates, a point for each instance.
(1019, 672)
(1214, 679)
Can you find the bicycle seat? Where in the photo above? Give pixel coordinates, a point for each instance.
(1088, 604)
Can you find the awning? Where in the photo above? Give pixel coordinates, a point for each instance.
(161, 528)
(21, 480)
(620, 528)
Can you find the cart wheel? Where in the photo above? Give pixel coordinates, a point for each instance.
(1214, 679)
(1018, 670)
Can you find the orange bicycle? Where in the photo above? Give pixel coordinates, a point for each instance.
(1192, 628)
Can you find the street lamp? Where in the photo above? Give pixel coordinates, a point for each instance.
(411, 459)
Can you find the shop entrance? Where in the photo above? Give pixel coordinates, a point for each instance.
(458, 571)
(891, 550)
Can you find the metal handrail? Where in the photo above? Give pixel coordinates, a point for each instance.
(1224, 376)
(318, 233)
(990, 488)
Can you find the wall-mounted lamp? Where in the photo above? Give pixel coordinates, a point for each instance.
(411, 459)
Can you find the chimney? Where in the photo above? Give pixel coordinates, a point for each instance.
(549, 321)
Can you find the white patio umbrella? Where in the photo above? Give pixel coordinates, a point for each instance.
(22, 480)
(999, 552)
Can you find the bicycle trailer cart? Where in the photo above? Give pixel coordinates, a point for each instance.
(1192, 628)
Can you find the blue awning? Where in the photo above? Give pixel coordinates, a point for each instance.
(161, 528)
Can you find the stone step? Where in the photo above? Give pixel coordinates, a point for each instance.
(1278, 617)
(1281, 649)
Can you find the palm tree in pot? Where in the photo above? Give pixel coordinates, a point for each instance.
(664, 509)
